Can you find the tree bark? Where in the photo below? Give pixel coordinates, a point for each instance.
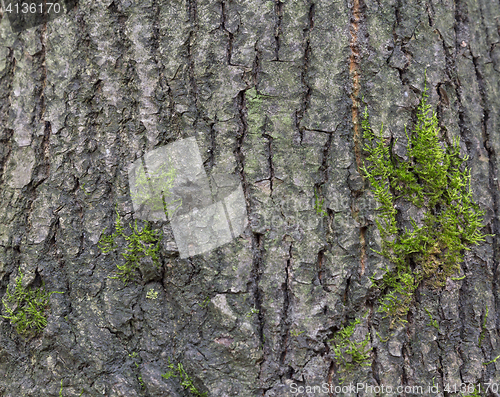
(273, 91)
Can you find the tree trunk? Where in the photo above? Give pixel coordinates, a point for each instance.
(272, 91)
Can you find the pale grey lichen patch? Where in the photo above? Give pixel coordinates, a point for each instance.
(20, 167)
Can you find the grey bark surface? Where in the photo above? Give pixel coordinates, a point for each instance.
(277, 87)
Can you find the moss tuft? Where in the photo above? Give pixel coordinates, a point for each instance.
(177, 371)
(348, 352)
(25, 307)
(141, 243)
(435, 180)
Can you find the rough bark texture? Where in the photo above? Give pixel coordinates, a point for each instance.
(84, 95)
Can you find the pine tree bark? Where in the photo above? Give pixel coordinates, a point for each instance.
(272, 90)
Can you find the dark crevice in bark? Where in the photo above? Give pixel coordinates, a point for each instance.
(463, 306)
(6, 134)
(461, 24)
(258, 250)
(401, 42)
(397, 14)
(285, 322)
(299, 113)
(354, 70)
(324, 168)
(405, 356)
(155, 44)
(430, 13)
(355, 73)
(441, 346)
(165, 106)
(318, 187)
(269, 139)
(345, 297)
(494, 227)
(50, 244)
(5, 151)
(321, 271)
(230, 36)
(256, 65)
(461, 27)
(375, 366)
(278, 10)
(241, 106)
(193, 87)
(329, 379)
(210, 161)
(363, 256)
(242, 133)
(444, 102)
(257, 239)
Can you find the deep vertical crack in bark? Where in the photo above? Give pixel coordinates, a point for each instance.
(493, 183)
(242, 133)
(461, 20)
(321, 258)
(258, 250)
(193, 87)
(285, 322)
(354, 71)
(463, 305)
(329, 378)
(355, 77)
(210, 161)
(462, 45)
(362, 240)
(430, 13)
(230, 36)
(299, 113)
(323, 179)
(6, 134)
(163, 135)
(269, 139)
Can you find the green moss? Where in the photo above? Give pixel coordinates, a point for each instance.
(435, 180)
(177, 371)
(205, 303)
(152, 294)
(492, 361)
(296, 332)
(25, 307)
(252, 312)
(141, 243)
(433, 322)
(318, 204)
(348, 352)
